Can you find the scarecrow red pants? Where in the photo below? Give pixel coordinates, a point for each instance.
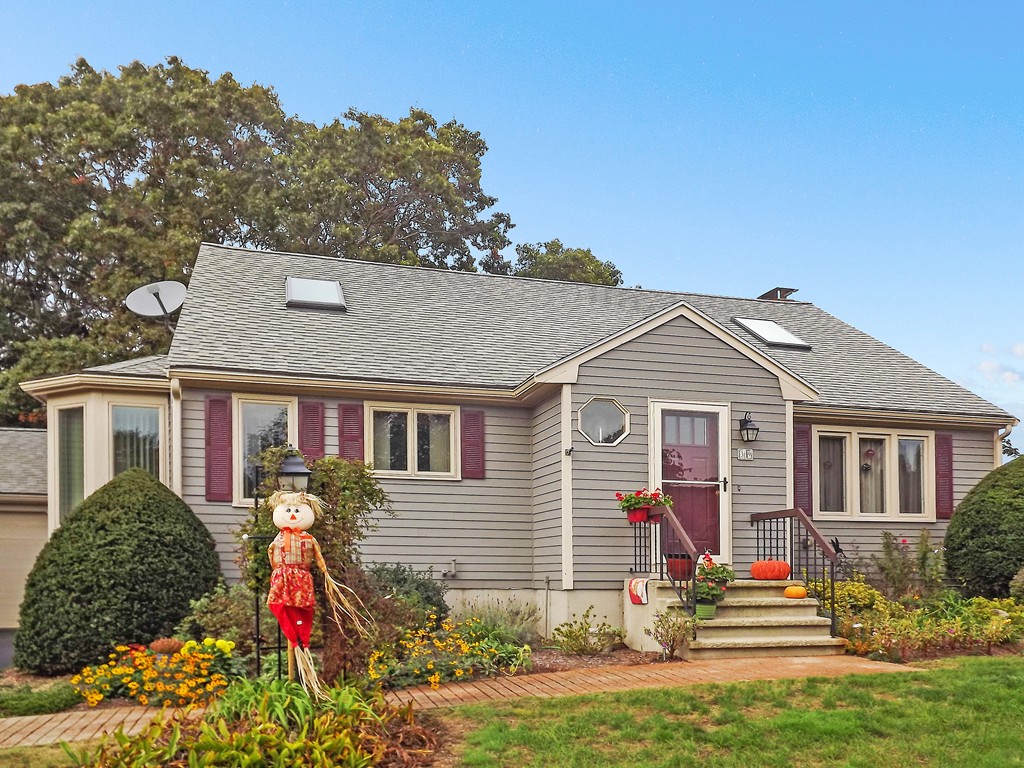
(291, 600)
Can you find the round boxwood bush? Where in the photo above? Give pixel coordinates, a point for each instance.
(985, 540)
(121, 569)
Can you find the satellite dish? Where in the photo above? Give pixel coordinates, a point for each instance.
(157, 300)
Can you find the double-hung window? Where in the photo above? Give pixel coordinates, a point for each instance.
(871, 474)
(261, 423)
(414, 440)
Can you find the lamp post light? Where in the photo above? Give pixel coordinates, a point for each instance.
(293, 475)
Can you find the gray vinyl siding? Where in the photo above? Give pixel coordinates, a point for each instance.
(972, 459)
(547, 492)
(485, 525)
(676, 362)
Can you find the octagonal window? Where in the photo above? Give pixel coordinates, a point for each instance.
(603, 421)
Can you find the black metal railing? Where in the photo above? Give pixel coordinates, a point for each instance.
(789, 534)
(677, 556)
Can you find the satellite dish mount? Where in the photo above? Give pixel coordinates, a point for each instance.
(159, 299)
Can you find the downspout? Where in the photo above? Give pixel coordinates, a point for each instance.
(177, 483)
(999, 442)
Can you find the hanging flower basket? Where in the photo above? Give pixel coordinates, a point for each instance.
(643, 506)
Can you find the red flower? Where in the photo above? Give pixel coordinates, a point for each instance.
(619, 496)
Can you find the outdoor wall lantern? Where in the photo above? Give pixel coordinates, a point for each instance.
(294, 474)
(748, 429)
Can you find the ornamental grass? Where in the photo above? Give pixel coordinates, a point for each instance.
(192, 675)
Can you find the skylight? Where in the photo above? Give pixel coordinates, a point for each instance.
(317, 294)
(771, 333)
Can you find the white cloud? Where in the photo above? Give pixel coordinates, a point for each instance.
(1018, 349)
(989, 368)
(1010, 376)
(989, 348)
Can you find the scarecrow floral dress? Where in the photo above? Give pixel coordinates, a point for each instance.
(291, 554)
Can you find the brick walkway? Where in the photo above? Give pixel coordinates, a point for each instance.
(623, 678)
(91, 724)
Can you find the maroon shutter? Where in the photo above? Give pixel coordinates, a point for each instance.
(943, 476)
(473, 445)
(311, 429)
(218, 448)
(350, 431)
(803, 488)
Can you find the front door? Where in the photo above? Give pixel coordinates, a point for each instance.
(691, 466)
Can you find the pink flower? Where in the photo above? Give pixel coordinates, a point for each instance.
(903, 541)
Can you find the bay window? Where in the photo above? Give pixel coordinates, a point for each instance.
(873, 474)
(70, 459)
(135, 435)
(413, 440)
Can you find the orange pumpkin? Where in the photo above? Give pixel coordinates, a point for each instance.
(770, 569)
(796, 592)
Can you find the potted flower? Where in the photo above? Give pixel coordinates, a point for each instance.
(638, 505)
(712, 581)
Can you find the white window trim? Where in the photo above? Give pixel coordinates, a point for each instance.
(161, 408)
(412, 409)
(617, 404)
(237, 441)
(852, 476)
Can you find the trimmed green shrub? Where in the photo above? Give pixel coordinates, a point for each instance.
(985, 540)
(121, 569)
(420, 590)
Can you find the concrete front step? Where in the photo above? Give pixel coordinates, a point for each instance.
(750, 607)
(764, 627)
(778, 646)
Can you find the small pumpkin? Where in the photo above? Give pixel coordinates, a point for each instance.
(770, 569)
(796, 592)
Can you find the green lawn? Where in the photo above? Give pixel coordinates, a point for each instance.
(967, 711)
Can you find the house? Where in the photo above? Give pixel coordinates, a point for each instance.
(502, 414)
(23, 518)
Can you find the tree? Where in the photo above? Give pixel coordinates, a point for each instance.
(1009, 450)
(553, 261)
(112, 180)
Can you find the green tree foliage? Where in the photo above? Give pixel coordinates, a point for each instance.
(985, 540)
(122, 568)
(1009, 450)
(37, 358)
(553, 261)
(111, 180)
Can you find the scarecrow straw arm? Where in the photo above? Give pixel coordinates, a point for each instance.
(341, 603)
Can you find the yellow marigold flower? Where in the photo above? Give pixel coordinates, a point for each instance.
(435, 680)
(121, 648)
(209, 641)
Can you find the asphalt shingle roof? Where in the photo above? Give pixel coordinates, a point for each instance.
(23, 456)
(426, 326)
(154, 366)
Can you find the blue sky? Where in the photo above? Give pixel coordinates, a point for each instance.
(869, 154)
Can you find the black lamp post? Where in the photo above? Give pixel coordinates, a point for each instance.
(748, 429)
(293, 475)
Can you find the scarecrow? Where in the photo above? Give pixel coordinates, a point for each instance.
(291, 597)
